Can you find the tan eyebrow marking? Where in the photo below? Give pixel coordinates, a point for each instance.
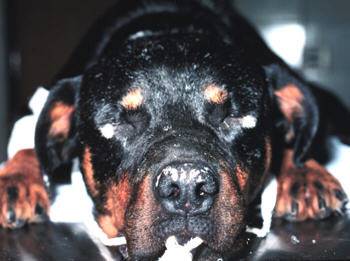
(215, 94)
(132, 100)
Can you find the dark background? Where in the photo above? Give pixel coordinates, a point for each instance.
(37, 37)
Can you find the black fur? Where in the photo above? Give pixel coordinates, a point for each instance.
(170, 50)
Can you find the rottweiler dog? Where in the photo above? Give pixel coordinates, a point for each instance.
(179, 114)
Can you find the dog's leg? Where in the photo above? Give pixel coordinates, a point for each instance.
(308, 192)
(23, 196)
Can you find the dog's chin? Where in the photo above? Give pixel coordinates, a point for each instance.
(147, 242)
(185, 229)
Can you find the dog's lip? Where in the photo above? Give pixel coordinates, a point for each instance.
(184, 227)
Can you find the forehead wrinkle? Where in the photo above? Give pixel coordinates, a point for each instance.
(165, 87)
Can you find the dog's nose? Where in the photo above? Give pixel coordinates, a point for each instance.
(186, 188)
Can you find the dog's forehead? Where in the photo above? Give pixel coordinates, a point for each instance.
(180, 73)
(193, 86)
(167, 86)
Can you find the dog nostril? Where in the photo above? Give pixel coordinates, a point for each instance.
(175, 191)
(168, 189)
(206, 189)
(200, 190)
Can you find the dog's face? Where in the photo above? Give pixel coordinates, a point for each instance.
(175, 135)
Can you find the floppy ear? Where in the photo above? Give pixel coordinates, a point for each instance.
(56, 141)
(298, 108)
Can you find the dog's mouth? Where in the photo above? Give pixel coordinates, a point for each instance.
(185, 204)
(185, 228)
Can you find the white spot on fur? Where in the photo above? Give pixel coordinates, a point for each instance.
(107, 131)
(158, 179)
(248, 122)
(166, 128)
(140, 34)
(200, 179)
(183, 174)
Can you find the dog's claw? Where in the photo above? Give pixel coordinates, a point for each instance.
(295, 207)
(11, 216)
(39, 210)
(340, 195)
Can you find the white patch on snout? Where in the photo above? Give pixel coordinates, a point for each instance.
(193, 174)
(168, 171)
(199, 179)
(248, 122)
(107, 131)
(183, 174)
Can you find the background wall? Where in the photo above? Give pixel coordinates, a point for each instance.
(313, 35)
(322, 26)
(3, 83)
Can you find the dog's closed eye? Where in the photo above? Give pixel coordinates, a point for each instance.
(232, 125)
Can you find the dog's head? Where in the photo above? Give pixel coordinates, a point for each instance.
(175, 138)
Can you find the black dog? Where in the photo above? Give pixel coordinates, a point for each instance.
(178, 113)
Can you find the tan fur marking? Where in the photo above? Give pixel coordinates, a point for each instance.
(215, 94)
(132, 100)
(146, 200)
(89, 172)
(117, 199)
(227, 211)
(24, 161)
(268, 154)
(290, 99)
(242, 177)
(60, 116)
(107, 225)
(145, 211)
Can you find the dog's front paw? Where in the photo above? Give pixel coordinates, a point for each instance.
(310, 192)
(22, 201)
(23, 196)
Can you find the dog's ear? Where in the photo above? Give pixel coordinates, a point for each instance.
(297, 109)
(55, 135)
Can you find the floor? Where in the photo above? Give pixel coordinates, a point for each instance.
(311, 240)
(322, 240)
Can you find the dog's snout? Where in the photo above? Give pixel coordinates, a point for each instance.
(186, 188)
